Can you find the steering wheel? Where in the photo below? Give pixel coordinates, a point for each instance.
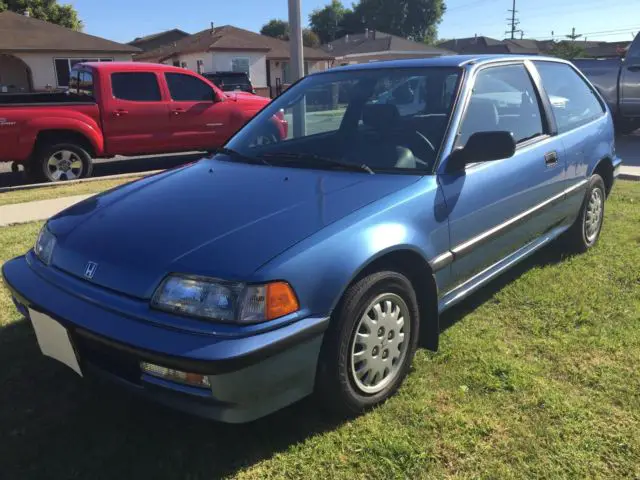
(427, 142)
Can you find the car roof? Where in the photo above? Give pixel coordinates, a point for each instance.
(451, 61)
(134, 67)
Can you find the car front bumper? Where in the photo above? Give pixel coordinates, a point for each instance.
(250, 376)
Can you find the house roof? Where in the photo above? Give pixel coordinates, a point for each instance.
(376, 42)
(229, 38)
(155, 40)
(19, 32)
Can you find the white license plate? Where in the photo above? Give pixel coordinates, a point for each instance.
(54, 340)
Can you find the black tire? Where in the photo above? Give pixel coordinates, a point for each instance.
(39, 170)
(577, 239)
(335, 386)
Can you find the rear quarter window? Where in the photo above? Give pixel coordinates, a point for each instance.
(573, 100)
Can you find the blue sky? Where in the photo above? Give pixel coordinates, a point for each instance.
(123, 20)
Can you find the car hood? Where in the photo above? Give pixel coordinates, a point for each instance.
(213, 218)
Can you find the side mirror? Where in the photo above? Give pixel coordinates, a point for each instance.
(482, 147)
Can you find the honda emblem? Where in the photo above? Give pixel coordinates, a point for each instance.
(90, 270)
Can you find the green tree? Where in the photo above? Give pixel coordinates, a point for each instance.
(309, 38)
(413, 19)
(566, 49)
(280, 29)
(47, 10)
(276, 28)
(327, 22)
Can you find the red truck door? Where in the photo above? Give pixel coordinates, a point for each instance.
(201, 119)
(134, 114)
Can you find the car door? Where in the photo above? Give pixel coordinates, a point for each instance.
(495, 208)
(576, 108)
(200, 119)
(630, 81)
(134, 116)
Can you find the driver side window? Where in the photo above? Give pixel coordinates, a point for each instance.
(503, 99)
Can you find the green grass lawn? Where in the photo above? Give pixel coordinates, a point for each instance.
(61, 190)
(538, 375)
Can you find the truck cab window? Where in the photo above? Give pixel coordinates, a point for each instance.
(135, 86)
(187, 88)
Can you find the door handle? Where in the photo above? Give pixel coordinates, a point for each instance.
(551, 159)
(178, 111)
(120, 112)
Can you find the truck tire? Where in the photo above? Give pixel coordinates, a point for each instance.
(59, 162)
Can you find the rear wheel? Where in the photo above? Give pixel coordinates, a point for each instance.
(60, 162)
(370, 344)
(585, 231)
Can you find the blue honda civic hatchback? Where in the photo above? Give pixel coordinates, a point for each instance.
(279, 267)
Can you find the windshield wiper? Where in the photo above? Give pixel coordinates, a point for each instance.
(318, 159)
(239, 156)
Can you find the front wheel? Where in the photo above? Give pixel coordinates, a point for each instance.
(370, 344)
(60, 162)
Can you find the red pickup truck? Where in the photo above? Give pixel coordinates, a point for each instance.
(120, 108)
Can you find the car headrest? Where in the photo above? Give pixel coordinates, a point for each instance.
(380, 115)
(481, 116)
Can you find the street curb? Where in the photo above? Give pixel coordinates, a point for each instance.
(629, 176)
(75, 182)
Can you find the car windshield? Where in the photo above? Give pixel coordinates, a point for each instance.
(369, 120)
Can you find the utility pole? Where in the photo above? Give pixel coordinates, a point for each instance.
(297, 64)
(573, 35)
(514, 22)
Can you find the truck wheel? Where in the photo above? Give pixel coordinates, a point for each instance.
(60, 162)
(370, 344)
(585, 231)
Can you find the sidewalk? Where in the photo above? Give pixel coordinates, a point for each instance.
(38, 210)
(629, 173)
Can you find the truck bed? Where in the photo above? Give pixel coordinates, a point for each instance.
(43, 98)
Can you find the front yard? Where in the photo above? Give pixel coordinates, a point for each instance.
(537, 376)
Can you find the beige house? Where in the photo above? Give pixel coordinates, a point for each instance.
(37, 55)
(227, 48)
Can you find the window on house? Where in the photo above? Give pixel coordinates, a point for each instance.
(176, 63)
(286, 74)
(135, 86)
(200, 66)
(63, 67)
(240, 64)
(187, 88)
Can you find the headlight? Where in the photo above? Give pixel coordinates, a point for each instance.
(45, 245)
(225, 301)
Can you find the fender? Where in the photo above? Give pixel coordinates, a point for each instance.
(82, 124)
(357, 240)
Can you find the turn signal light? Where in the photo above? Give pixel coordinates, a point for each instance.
(280, 300)
(186, 378)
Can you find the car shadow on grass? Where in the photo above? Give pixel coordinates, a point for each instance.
(56, 425)
(550, 255)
